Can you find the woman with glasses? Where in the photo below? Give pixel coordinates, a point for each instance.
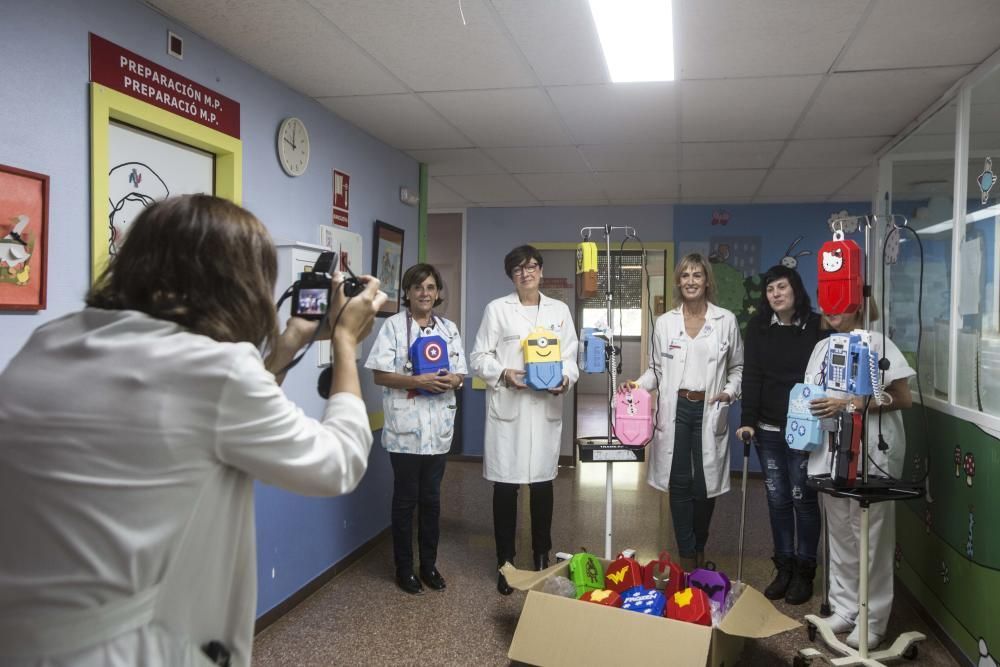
(419, 413)
(523, 426)
(696, 364)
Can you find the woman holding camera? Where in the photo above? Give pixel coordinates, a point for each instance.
(419, 419)
(132, 441)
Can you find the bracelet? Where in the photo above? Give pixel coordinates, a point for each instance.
(888, 399)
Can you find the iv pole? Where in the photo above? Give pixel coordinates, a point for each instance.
(905, 645)
(612, 373)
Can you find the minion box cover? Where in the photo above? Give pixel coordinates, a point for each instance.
(554, 630)
(542, 360)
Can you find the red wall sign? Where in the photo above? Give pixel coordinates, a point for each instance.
(133, 75)
(341, 197)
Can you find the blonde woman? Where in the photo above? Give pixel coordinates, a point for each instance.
(696, 363)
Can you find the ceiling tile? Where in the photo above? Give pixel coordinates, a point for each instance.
(426, 45)
(843, 152)
(735, 38)
(402, 121)
(441, 197)
(924, 33)
(729, 154)
(743, 109)
(631, 157)
(721, 183)
(452, 161)
(874, 103)
(534, 159)
(515, 117)
(559, 39)
(619, 185)
(487, 188)
(622, 113)
(805, 182)
(290, 41)
(554, 187)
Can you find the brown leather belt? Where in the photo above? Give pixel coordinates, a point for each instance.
(694, 396)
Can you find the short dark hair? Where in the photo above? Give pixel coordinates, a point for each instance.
(803, 304)
(200, 261)
(416, 275)
(519, 256)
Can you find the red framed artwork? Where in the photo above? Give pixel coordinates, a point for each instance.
(24, 228)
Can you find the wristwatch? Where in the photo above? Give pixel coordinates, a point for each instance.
(850, 408)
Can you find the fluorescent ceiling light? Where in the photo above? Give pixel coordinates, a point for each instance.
(637, 37)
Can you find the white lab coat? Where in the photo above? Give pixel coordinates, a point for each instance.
(668, 354)
(128, 452)
(843, 516)
(523, 426)
(421, 424)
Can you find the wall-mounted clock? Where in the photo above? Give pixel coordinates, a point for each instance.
(293, 146)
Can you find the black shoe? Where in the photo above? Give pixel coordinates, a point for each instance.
(502, 586)
(800, 590)
(777, 588)
(433, 579)
(408, 583)
(541, 561)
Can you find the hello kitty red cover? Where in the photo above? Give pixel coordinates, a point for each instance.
(839, 277)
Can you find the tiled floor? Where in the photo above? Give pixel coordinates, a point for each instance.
(361, 618)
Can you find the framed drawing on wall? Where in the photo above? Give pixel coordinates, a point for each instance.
(24, 228)
(387, 259)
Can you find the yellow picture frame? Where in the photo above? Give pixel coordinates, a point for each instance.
(107, 105)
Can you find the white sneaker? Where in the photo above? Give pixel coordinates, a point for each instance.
(838, 623)
(854, 639)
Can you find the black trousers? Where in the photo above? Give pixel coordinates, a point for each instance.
(417, 485)
(505, 518)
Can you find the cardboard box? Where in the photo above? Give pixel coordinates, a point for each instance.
(554, 630)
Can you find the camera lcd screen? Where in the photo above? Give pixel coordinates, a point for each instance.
(313, 301)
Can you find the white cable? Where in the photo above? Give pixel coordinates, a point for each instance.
(461, 13)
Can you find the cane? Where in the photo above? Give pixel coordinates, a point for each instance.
(743, 507)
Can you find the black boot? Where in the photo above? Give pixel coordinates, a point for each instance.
(541, 562)
(502, 586)
(801, 588)
(777, 588)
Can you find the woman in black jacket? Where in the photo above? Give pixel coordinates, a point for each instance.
(779, 340)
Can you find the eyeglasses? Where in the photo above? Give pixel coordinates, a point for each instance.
(527, 268)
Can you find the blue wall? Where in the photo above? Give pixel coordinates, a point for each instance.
(44, 127)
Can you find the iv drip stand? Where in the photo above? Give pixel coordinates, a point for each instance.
(612, 374)
(905, 646)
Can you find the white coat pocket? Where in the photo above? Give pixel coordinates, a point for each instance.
(402, 417)
(503, 404)
(719, 418)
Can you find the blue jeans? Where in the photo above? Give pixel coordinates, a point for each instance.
(690, 507)
(792, 505)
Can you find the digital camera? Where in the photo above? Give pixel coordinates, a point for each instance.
(311, 292)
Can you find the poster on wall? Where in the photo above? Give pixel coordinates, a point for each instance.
(24, 222)
(346, 244)
(145, 168)
(341, 197)
(387, 259)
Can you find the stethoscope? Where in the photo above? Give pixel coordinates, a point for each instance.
(408, 366)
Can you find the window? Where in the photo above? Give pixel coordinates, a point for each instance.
(923, 169)
(628, 285)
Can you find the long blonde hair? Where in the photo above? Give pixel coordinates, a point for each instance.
(697, 260)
